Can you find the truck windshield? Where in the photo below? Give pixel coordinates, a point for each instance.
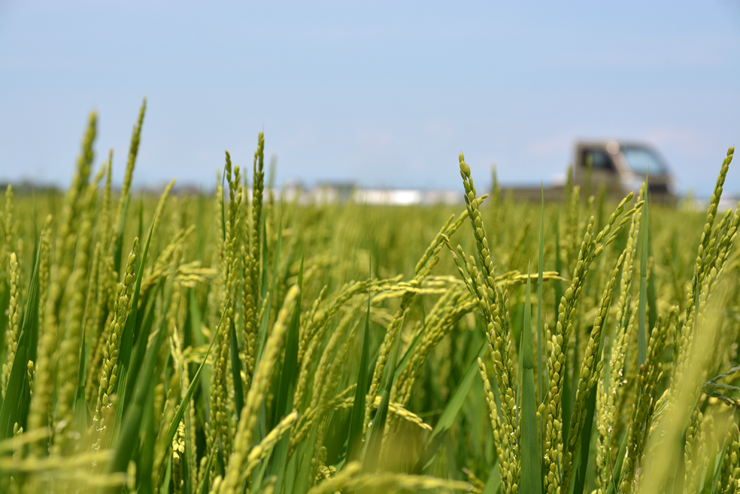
(642, 159)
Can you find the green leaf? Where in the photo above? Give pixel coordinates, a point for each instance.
(193, 384)
(145, 463)
(372, 454)
(581, 460)
(652, 307)
(205, 484)
(493, 485)
(642, 307)
(127, 338)
(16, 409)
(531, 482)
(164, 487)
(139, 350)
(196, 328)
(354, 440)
(286, 391)
(236, 368)
(131, 423)
(447, 419)
(582, 465)
(223, 212)
(304, 457)
(118, 250)
(616, 478)
(542, 374)
(409, 353)
(266, 316)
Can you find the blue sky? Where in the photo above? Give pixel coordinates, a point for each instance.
(381, 93)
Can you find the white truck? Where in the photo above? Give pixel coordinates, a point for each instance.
(621, 167)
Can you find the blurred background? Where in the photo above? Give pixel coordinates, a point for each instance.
(381, 94)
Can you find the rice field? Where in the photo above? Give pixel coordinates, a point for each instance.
(234, 343)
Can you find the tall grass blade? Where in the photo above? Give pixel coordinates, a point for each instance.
(118, 249)
(139, 350)
(18, 393)
(286, 391)
(266, 316)
(127, 338)
(642, 307)
(493, 485)
(193, 384)
(541, 371)
(579, 482)
(374, 442)
(616, 477)
(199, 339)
(447, 419)
(354, 441)
(652, 308)
(131, 422)
(236, 368)
(531, 458)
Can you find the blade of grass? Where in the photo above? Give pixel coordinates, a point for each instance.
(493, 485)
(205, 484)
(374, 443)
(616, 478)
(15, 409)
(199, 339)
(652, 308)
(540, 268)
(164, 487)
(447, 419)
(641, 330)
(139, 350)
(193, 384)
(579, 483)
(266, 316)
(542, 373)
(354, 440)
(409, 353)
(531, 459)
(4, 304)
(286, 391)
(131, 422)
(145, 463)
(236, 368)
(118, 250)
(304, 457)
(127, 338)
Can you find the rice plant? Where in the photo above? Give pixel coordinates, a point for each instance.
(233, 342)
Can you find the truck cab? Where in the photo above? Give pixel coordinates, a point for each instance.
(621, 167)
